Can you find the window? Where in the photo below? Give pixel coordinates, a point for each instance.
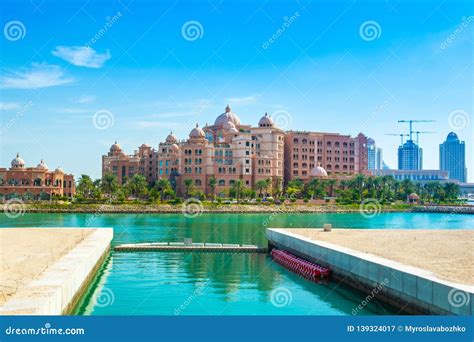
(221, 182)
(197, 182)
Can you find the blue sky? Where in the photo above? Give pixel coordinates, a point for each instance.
(146, 74)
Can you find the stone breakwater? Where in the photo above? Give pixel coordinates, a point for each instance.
(445, 209)
(181, 208)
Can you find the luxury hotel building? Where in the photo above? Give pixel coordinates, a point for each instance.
(230, 150)
(34, 183)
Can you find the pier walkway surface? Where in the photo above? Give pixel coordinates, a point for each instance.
(43, 271)
(191, 247)
(428, 271)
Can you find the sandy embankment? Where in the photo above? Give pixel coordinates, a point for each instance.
(449, 254)
(27, 252)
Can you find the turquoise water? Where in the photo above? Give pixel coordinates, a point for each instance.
(150, 283)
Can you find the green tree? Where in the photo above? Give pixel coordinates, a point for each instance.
(85, 187)
(110, 185)
(161, 186)
(260, 185)
(237, 188)
(212, 186)
(188, 184)
(137, 186)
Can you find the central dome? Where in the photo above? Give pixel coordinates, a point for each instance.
(228, 116)
(42, 165)
(318, 171)
(197, 133)
(171, 138)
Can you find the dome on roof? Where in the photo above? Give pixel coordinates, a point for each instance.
(318, 171)
(413, 196)
(115, 148)
(452, 137)
(174, 148)
(42, 165)
(197, 132)
(59, 170)
(18, 163)
(266, 121)
(227, 116)
(171, 138)
(228, 125)
(144, 145)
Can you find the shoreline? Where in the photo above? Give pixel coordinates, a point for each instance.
(236, 208)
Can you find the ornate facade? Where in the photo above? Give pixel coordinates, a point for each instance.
(34, 183)
(230, 150)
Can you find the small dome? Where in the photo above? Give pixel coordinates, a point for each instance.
(59, 170)
(171, 138)
(18, 163)
(266, 121)
(42, 165)
(228, 125)
(174, 148)
(413, 196)
(233, 130)
(197, 132)
(227, 116)
(318, 171)
(115, 148)
(452, 137)
(144, 145)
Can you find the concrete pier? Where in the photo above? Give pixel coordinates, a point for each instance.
(410, 289)
(56, 272)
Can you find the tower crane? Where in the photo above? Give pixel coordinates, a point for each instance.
(410, 122)
(421, 132)
(399, 135)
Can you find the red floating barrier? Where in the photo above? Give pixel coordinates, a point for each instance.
(300, 266)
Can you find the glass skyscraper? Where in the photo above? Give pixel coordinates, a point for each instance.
(452, 157)
(410, 156)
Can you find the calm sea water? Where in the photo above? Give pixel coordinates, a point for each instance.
(149, 283)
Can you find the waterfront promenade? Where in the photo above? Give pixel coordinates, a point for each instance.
(45, 270)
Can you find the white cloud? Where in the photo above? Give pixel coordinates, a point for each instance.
(39, 76)
(82, 56)
(86, 99)
(156, 124)
(9, 105)
(246, 100)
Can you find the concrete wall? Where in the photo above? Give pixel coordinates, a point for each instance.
(408, 288)
(59, 287)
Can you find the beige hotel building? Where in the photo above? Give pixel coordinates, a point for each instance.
(230, 150)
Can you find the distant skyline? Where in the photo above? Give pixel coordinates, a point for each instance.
(78, 75)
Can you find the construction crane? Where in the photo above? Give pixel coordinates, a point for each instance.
(399, 135)
(421, 132)
(410, 122)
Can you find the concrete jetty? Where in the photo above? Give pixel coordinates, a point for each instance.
(375, 269)
(191, 247)
(46, 270)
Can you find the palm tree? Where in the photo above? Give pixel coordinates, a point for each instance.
(162, 185)
(85, 186)
(137, 186)
(238, 187)
(278, 187)
(188, 183)
(212, 185)
(260, 186)
(268, 184)
(110, 185)
(331, 183)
